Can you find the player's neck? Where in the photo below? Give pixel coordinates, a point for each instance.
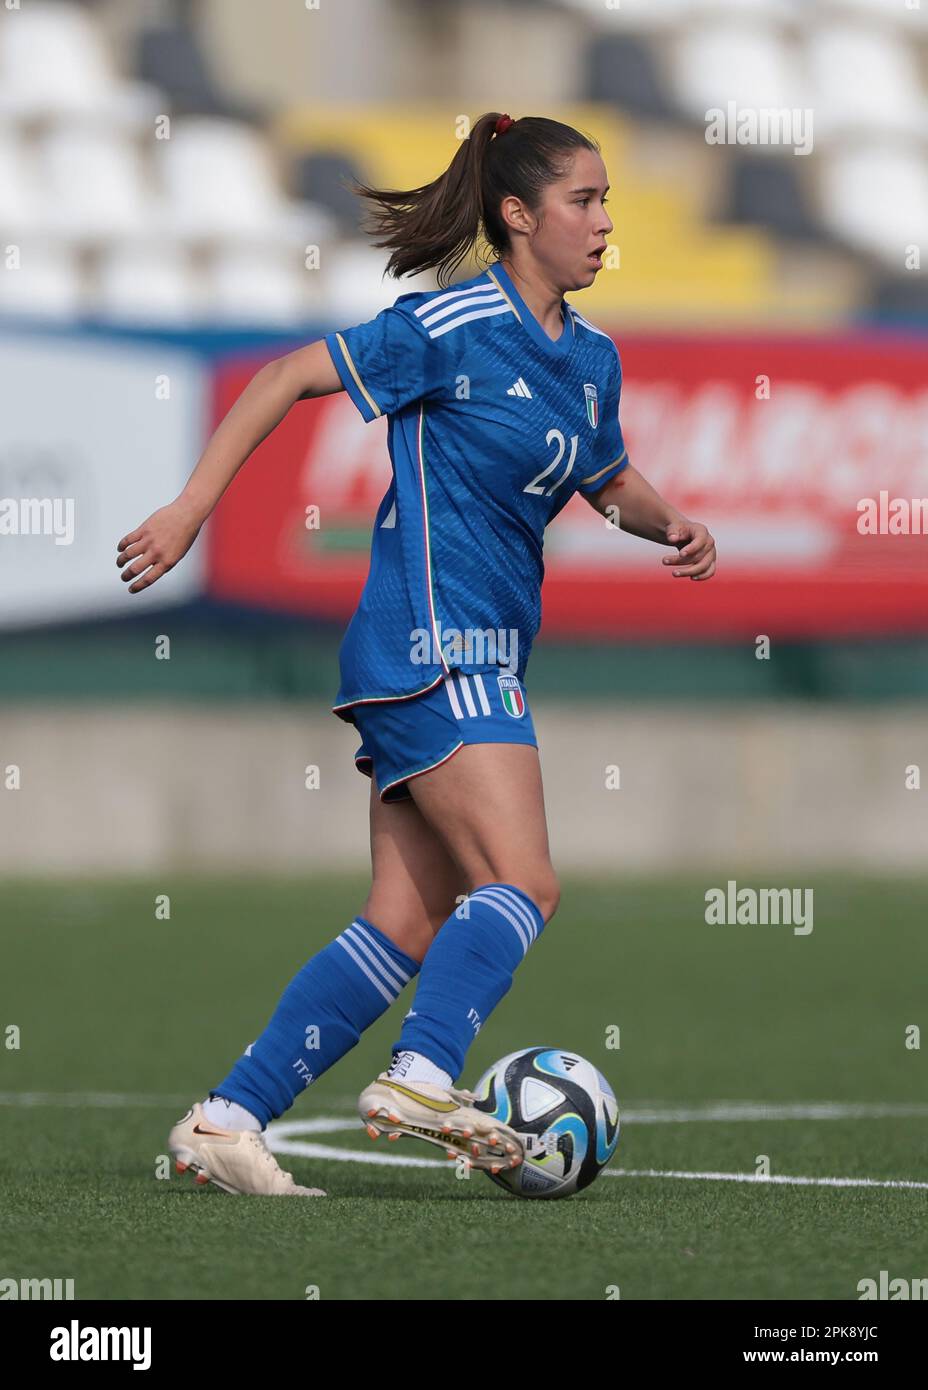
(542, 299)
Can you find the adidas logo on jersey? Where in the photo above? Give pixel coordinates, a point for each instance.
(519, 388)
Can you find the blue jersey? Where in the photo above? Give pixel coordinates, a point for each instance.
(492, 426)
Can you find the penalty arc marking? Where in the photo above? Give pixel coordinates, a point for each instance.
(284, 1137)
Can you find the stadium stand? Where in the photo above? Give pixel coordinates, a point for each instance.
(120, 222)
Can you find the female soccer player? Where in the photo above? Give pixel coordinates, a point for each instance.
(501, 401)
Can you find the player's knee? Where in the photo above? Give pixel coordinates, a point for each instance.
(541, 886)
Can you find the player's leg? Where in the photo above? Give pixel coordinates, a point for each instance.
(486, 804)
(415, 882)
(336, 995)
(347, 985)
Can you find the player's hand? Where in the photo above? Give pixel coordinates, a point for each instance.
(156, 546)
(695, 544)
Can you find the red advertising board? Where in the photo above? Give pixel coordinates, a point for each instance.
(803, 456)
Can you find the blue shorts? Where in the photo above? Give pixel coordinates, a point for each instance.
(401, 738)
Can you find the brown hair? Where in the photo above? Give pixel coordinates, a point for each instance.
(439, 223)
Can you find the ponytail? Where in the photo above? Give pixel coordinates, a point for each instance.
(440, 223)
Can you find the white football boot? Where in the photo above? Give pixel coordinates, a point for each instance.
(237, 1160)
(442, 1115)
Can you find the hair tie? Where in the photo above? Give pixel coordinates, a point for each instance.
(503, 124)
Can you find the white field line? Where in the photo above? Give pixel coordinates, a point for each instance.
(283, 1135)
(283, 1139)
(92, 1100)
(759, 1180)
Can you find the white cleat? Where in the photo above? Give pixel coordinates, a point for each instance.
(441, 1115)
(237, 1160)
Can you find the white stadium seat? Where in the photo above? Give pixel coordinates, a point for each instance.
(865, 79)
(20, 194)
(876, 196)
(753, 66)
(147, 282)
(221, 184)
(47, 284)
(53, 62)
(94, 184)
(252, 287)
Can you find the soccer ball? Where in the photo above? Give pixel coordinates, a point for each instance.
(565, 1112)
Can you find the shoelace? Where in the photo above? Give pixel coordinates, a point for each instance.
(267, 1155)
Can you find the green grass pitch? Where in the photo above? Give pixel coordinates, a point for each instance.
(125, 1020)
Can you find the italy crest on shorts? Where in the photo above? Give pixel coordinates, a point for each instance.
(592, 403)
(511, 695)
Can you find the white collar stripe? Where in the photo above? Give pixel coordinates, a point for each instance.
(467, 318)
(460, 304)
(454, 294)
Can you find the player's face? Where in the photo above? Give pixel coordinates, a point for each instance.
(575, 224)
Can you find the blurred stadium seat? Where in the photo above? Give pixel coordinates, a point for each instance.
(221, 185)
(876, 196)
(20, 190)
(772, 194)
(53, 61)
(864, 79)
(622, 68)
(148, 282)
(48, 285)
(171, 57)
(93, 184)
(751, 64)
(264, 290)
(324, 177)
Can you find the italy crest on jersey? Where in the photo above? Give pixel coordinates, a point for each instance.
(511, 695)
(592, 403)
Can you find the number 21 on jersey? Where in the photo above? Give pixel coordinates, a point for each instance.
(536, 485)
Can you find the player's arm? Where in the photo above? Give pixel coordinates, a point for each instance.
(632, 504)
(165, 537)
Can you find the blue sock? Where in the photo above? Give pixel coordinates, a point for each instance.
(321, 1015)
(467, 971)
